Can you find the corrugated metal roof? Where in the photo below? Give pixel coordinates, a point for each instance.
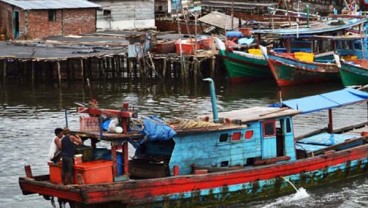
(219, 20)
(51, 4)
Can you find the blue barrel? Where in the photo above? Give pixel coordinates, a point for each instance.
(231, 34)
(119, 161)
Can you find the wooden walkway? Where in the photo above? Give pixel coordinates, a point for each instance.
(97, 57)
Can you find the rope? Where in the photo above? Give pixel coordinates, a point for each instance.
(136, 124)
(189, 123)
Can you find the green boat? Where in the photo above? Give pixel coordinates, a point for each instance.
(243, 66)
(353, 72)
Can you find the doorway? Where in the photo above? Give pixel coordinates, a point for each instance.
(16, 24)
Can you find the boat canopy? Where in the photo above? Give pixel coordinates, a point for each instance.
(324, 101)
(316, 28)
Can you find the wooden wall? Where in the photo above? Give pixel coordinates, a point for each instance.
(124, 14)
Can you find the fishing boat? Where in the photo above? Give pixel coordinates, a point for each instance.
(353, 71)
(217, 159)
(287, 69)
(243, 65)
(318, 66)
(248, 64)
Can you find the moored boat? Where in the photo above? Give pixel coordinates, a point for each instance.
(242, 65)
(242, 155)
(353, 72)
(288, 70)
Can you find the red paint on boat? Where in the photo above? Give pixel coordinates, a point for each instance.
(147, 190)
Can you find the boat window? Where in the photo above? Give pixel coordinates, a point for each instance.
(223, 137)
(236, 136)
(224, 163)
(268, 128)
(288, 125)
(248, 134)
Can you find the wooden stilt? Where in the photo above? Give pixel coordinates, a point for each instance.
(135, 67)
(128, 67)
(58, 71)
(33, 72)
(104, 68)
(213, 61)
(82, 68)
(195, 69)
(164, 65)
(122, 59)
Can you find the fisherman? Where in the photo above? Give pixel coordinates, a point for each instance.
(67, 154)
(55, 147)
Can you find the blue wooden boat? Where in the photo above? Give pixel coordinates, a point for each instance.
(223, 158)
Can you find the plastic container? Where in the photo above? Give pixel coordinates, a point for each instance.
(350, 58)
(89, 124)
(304, 56)
(55, 172)
(231, 34)
(94, 172)
(255, 51)
(245, 41)
(206, 43)
(187, 46)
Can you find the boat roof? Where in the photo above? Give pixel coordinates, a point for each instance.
(324, 101)
(315, 27)
(255, 113)
(340, 37)
(219, 20)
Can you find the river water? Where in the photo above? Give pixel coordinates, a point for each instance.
(29, 114)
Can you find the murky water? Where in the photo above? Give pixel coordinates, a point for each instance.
(28, 115)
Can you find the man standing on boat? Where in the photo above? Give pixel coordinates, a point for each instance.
(55, 147)
(67, 154)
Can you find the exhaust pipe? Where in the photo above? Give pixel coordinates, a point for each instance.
(213, 99)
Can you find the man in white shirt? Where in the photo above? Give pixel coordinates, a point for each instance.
(55, 146)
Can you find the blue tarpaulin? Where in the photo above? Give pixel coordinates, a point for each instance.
(326, 100)
(156, 129)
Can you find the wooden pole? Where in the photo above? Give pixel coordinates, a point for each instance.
(128, 67)
(330, 121)
(58, 71)
(232, 15)
(4, 71)
(82, 68)
(32, 71)
(164, 68)
(195, 69)
(213, 64)
(126, 158)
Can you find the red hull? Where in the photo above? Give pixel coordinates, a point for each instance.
(152, 190)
